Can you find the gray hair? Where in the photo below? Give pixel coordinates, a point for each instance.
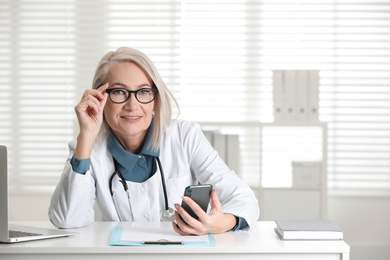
(163, 101)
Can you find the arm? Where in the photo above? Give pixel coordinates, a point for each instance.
(90, 117)
(71, 205)
(72, 202)
(234, 196)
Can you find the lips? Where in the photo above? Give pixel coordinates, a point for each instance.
(130, 117)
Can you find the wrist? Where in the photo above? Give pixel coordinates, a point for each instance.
(84, 145)
(230, 222)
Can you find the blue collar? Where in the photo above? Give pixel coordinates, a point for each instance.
(126, 159)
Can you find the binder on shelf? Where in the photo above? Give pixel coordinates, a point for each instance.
(227, 146)
(302, 95)
(278, 93)
(220, 145)
(313, 95)
(289, 95)
(232, 152)
(295, 95)
(209, 135)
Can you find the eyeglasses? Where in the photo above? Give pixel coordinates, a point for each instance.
(121, 95)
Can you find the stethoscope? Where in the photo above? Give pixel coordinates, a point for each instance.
(166, 214)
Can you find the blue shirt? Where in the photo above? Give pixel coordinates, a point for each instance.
(133, 167)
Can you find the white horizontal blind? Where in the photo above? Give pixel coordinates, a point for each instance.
(355, 97)
(6, 70)
(152, 27)
(216, 56)
(49, 52)
(348, 42)
(221, 75)
(233, 46)
(37, 83)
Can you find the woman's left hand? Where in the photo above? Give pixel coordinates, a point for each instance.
(215, 222)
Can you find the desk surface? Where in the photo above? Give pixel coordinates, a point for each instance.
(93, 241)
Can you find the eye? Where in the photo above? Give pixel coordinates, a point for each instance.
(118, 91)
(145, 91)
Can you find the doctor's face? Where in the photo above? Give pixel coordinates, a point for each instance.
(128, 120)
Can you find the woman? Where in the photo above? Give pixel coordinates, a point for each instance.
(125, 127)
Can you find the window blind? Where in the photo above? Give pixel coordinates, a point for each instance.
(37, 87)
(49, 52)
(233, 47)
(217, 57)
(152, 27)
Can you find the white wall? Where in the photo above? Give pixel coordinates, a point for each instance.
(365, 221)
(366, 225)
(27, 207)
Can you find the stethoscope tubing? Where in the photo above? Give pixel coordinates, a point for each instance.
(126, 188)
(163, 183)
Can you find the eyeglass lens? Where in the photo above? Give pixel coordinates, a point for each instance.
(121, 95)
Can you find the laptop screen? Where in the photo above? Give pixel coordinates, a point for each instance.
(3, 194)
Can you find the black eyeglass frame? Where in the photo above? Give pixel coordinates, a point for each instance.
(132, 91)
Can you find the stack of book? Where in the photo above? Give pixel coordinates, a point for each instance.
(308, 230)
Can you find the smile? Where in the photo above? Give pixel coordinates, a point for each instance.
(130, 117)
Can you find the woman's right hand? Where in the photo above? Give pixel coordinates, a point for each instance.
(90, 117)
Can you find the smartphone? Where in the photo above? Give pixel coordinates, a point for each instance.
(200, 194)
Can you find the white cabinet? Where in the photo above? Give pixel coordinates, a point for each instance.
(268, 152)
(293, 159)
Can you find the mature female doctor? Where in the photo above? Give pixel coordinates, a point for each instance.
(135, 161)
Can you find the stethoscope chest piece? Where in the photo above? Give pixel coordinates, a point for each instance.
(167, 214)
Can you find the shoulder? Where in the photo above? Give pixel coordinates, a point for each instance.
(182, 129)
(184, 133)
(180, 125)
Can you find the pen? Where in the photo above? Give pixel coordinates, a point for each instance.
(163, 242)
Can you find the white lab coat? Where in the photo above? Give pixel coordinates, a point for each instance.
(186, 157)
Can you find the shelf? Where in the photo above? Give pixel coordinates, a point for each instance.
(275, 147)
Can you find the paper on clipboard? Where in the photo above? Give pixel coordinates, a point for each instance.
(137, 233)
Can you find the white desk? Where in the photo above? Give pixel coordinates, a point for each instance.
(93, 243)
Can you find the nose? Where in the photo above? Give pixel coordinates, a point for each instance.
(132, 102)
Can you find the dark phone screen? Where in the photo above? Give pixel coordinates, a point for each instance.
(200, 194)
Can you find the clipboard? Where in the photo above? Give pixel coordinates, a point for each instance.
(120, 237)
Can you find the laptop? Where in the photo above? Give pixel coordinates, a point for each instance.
(14, 233)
